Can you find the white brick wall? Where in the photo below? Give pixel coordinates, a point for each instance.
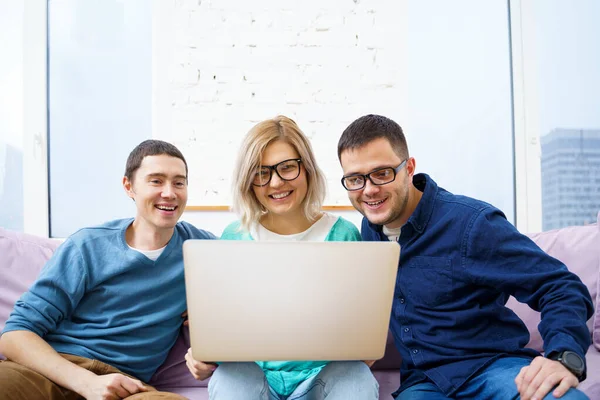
(220, 66)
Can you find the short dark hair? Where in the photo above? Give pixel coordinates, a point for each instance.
(150, 147)
(370, 127)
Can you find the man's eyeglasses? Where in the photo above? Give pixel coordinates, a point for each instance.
(287, 170)
(380, 176)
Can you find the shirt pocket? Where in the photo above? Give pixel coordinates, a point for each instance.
(429, 280)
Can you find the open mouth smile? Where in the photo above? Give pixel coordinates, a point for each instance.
(166, 208)
(280, 196)
(374, 204)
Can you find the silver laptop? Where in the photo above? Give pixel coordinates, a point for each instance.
(272, 301)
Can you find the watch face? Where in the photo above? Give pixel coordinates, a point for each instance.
(573, 360)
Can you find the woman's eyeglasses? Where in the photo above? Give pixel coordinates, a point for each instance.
(287, 170)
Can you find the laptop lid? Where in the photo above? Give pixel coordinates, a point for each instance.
(269, 301)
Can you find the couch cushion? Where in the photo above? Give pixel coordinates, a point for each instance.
(578, 248)
(389, 382)
(22, 257)
(391, 358)
(591, 386)
(173, 373)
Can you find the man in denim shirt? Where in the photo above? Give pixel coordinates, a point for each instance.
(460, 261)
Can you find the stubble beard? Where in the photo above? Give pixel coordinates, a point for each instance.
(394, 213)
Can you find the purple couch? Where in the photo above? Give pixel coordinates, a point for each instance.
(22, 256)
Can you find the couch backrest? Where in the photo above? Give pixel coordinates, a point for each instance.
(578, 247)
(22, 257)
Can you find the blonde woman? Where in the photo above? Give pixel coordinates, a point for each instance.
(278, 194)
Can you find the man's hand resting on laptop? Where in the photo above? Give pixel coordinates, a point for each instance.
(199, 370)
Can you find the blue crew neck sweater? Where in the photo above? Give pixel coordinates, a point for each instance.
(99, 299)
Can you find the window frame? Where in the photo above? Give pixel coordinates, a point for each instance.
(36, 217)
(527, 148)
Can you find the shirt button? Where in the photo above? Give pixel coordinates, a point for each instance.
(406, 329)
(401, 300)
(415, 351)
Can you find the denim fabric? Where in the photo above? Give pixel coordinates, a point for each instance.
(460, 260)
(495, 382)
(336, 381)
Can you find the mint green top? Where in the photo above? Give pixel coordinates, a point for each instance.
(285, 376)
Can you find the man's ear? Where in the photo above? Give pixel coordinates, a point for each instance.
(128, 186)
(411, 166)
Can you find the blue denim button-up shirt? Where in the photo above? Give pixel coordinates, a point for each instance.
(460, 260)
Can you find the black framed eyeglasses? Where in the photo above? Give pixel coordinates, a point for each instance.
(287, 170)
(380, 176)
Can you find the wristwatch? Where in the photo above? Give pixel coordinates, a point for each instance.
(572, 361)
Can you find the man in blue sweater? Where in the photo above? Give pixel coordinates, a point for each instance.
(107, 307)
(460, 261)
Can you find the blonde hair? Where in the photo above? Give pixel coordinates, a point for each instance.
(280, 128)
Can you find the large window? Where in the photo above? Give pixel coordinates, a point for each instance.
(441, 69)
(455, 58)
(11, 116)
(99, 106)
(459, 97)
(567, 61)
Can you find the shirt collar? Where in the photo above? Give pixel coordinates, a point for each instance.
(420, 217)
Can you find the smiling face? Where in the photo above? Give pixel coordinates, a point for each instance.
(380, 204)
(279, 197)
(159, 189)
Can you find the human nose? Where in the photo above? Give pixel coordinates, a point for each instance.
(168, 192)
(276, 181)
(370, 188)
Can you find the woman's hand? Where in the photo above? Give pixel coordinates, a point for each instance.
(186, 321)
(198, 369)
